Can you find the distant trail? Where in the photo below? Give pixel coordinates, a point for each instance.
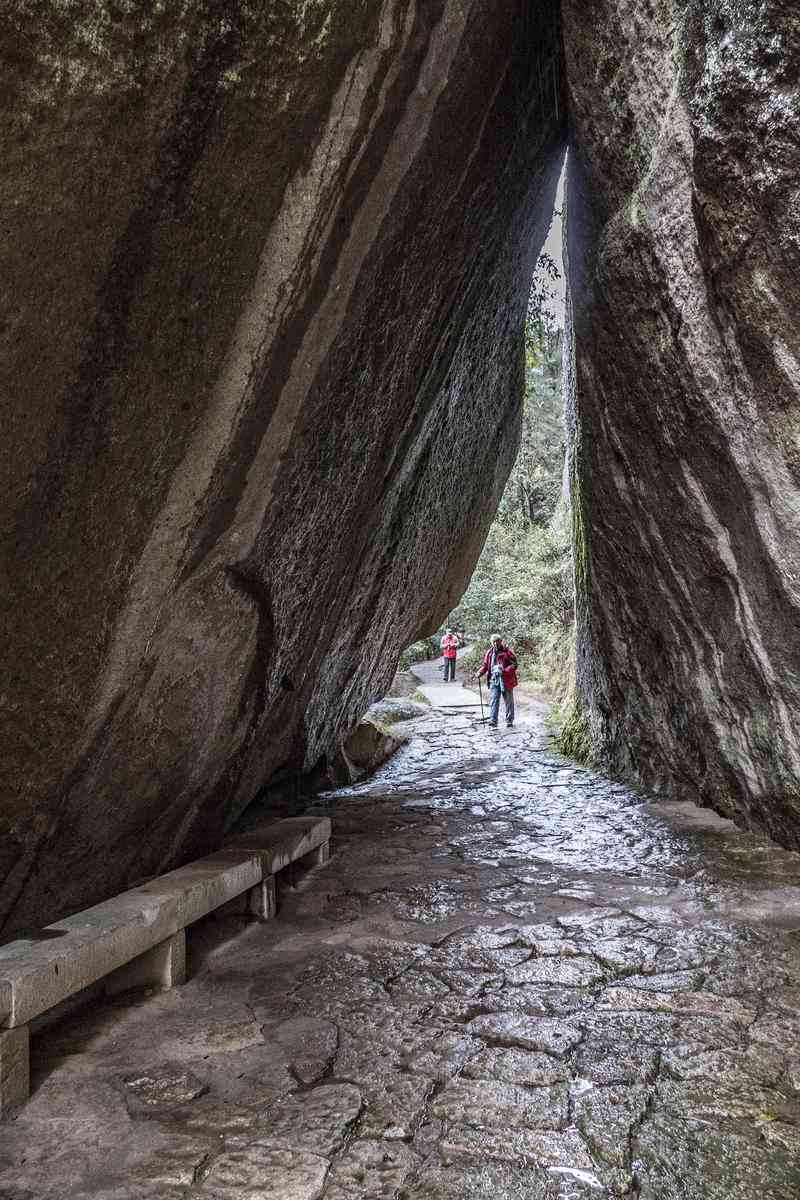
(429, 671)
(444, 695)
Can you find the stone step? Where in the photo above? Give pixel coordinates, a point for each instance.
(450, 696)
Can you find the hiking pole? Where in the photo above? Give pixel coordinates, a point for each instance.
(480, 693)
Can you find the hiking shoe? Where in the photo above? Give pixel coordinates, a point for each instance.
(492, 724)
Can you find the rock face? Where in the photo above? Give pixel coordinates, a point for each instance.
(684, 248)
(266, 270)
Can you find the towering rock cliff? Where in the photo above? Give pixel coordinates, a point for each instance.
(684, 247)
(265, 272)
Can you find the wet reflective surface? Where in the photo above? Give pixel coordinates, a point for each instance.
(515, 980)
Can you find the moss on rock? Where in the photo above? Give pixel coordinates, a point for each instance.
(575, 738)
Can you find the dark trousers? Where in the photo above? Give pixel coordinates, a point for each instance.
(449, 669)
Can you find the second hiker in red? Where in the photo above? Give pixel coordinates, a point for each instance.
(449, 646)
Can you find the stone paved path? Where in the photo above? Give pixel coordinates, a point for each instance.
(515, 980)
(448, 695)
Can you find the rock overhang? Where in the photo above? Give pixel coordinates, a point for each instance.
(271, 394)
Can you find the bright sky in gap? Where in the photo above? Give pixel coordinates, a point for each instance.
(553, 246)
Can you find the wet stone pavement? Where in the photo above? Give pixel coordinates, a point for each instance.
(514, 980)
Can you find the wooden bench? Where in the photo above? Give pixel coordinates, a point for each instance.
(138, 939)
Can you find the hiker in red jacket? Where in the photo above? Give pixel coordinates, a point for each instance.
(449, 649)
(500, 664)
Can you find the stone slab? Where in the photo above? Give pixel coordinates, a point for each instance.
(38, 973)
(262, 1172)
(451, 697)
(283, 842)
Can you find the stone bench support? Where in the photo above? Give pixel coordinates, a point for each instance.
(262, 901)
(138, 938)
(318, 857)
(163, 967)
(14, 1069)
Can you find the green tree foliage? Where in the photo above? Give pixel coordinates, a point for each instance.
(541, 325)
(426, 648)
(522, 585)
(534, 486)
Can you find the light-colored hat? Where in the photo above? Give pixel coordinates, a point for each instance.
(495, 638)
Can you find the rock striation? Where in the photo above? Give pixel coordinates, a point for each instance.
(684, 251)
(265, 270)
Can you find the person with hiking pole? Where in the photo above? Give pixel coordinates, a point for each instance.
(500, 665)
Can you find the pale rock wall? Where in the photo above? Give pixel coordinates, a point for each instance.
(265, 271)
(684, 249)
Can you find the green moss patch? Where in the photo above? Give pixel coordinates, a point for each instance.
(574, 740)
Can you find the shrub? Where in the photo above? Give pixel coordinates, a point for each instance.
(418, 652)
